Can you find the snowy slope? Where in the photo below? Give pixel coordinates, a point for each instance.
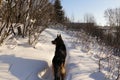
(21, 61)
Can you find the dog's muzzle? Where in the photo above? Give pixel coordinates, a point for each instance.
(53, 42)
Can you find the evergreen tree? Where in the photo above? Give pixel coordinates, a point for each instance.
(59, 13)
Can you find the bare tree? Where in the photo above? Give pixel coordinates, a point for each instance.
(39, 19)
(89, 18)
(34, 15)
(113, 16)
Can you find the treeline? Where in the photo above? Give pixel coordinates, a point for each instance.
(104, 36)
(108, 35)
(28, 17)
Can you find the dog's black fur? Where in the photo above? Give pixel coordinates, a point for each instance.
(58, 61)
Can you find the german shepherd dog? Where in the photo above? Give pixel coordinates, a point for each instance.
(58, 61)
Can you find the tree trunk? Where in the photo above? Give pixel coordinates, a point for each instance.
(19, 31)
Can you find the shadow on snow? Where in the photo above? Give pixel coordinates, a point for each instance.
(24, 69)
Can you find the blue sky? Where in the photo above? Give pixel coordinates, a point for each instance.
(78, 8)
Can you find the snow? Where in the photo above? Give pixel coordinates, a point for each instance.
(20, 61)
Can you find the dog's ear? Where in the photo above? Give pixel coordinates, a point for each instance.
(60, 36)
(57, 35)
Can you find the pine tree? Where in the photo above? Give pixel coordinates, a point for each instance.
(59, 13)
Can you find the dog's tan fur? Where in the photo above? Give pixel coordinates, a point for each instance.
(62, 68)
(63, 71)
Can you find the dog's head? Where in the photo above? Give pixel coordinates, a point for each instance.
(57, 40)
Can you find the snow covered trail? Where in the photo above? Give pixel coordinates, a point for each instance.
(27, 63)
(82, 67)
(79, 65)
